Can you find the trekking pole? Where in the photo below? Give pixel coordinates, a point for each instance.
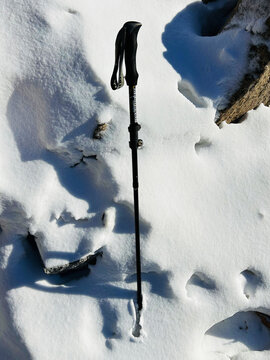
(126, 44)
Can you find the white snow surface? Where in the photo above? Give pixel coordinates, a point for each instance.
(204, 190)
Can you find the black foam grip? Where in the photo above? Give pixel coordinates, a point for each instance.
(132, 28)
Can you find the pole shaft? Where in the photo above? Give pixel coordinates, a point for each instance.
(133, 129)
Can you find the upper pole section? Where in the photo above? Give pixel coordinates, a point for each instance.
(126, 44)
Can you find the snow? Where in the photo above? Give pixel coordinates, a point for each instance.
(203, 189)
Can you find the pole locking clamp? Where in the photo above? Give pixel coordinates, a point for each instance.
(134, 142)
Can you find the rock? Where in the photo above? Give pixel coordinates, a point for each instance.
(250, 15)
(254, 88)
(248, 97)
(80, 264)
(99, 130)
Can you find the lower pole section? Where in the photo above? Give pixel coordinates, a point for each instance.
(138, 249)
(133, 130)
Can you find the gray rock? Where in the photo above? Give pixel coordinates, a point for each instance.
(254, 89)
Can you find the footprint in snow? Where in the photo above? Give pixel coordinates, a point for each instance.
(241, 333)
(251, 280)
(110, 327)
(202, 145)
(199, 283)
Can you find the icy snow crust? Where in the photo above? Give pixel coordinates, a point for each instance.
(204, 190)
